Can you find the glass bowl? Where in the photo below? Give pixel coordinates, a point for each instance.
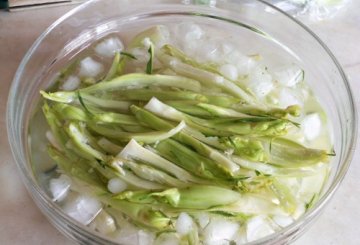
(265, 29)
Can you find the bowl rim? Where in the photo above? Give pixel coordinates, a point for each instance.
(29, 182)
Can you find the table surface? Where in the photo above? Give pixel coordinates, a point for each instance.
(21, 221)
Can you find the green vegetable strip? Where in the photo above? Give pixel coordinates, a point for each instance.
(293, 110)
(147, 138)
(135, 151)
(128, 55)
(111, 117)
(177, 53)
(258, 126)
(207, 110)
(55, 125)
(223, 101)
(287, 153)
(248, 148)
(194, 197)
(223, 162)
(147, 94)
(84, 141)
(149, 119)
(149, 173)
(127, 81)
(190, 160)
(149, 65)
(141, 214)
(114, 67)
(109, 146)
(105, 103)
(135, 128)
(117, 166)
(222, 112)
(275, 171)
(252, 126)
(68, 112)
(190, 109)
(135, 80)
(168, 112)
(78, 169)
(60, 96)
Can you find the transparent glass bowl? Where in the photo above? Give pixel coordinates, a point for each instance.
(264, 29)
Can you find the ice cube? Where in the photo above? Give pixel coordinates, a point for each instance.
(108, 47)
(116, 185)
(282, 220)
(260, 82)
(71, 83)
(229, 71)
(82, 208)
(59, 187)
(220, 231)
(90, 68)
(289, 76)
(184, 224)
(311, 126)
(167, 239)
(258, 227)
(288, 97)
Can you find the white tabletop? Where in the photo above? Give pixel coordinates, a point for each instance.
(21, 222)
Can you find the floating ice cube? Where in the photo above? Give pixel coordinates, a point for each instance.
(59, 187)
(82, 208)
(243, 63)
(203, 219)
(71, 83)
(258, 227)
(168, 239)
(282, 220)
(311, 126)
(184, 224)
(289, 76)
(220, 231)
(103, 223)
(116, 185)
(108, 47)
(189, 31)
(288, 97)
(90, 68)
(260, 82)
(229, 71)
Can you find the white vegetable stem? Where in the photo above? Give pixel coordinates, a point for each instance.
(157, 107)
